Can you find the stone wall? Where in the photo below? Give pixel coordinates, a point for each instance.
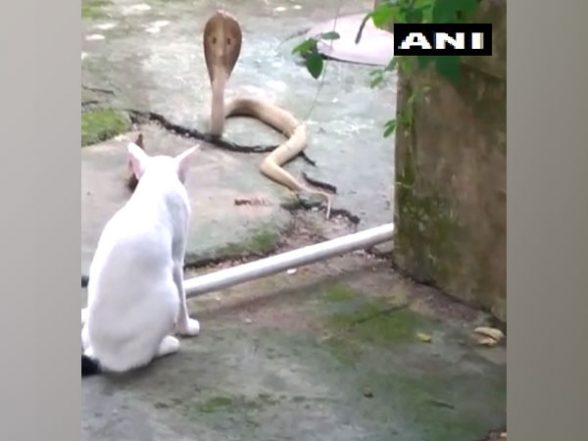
(451, 176)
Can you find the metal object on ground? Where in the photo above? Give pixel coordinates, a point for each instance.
(291, 259)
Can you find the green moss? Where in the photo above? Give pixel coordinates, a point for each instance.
(345, 351)
(260, 243)
(264, 242)
(100, 125)
(94, 9)
(426, 233)
(236, 403)
(413, 393)
(436, 401)
(241, 411)
(426, 226)
(215, 404)
(377, 322)
(339, 293)
(263, 400)
(433, 405)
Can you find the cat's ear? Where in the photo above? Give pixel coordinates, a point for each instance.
(183, 161)
(138, 159)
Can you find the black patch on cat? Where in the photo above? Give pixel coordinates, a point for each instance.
(90, 366)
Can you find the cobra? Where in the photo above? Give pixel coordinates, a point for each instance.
(222, 41)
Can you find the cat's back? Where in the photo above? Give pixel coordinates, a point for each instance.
(134, 237)
(141, 234)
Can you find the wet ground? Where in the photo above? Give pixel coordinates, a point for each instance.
(329, 352)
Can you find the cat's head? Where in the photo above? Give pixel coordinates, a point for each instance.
(163, 166)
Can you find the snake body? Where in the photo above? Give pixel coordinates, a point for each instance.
(222, 46)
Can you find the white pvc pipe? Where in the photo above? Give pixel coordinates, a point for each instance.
(292, 259)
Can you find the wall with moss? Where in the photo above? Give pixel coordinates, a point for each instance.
(451, 176)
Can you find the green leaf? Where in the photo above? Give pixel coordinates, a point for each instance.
(405, 65)
(392, 64)
(444, 11)
(378, 75)
(314, 64)
(383, 14)
(416, 14)
(405, 119)
(449, 67)
(305, 47)
(411, 100)
(377, 78)
(424, 60)
(466, 8)
(329, 36)
(390, 127)
(427, 8)
(376, 82)
(449, 11)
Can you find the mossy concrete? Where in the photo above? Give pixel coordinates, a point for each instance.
(103, 124)
(269, 364)
(259, 242)
(215, 404)
(219, 228)
(377, 324)
(339, 293)
(450, 207)
(327, 352)
(95, 9)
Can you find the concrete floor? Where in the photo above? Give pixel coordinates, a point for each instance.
(328, 353)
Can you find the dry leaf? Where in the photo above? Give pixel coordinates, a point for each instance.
(487, 341)
(426, 338)
(493, 333)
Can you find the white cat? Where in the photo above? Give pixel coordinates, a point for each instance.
(136, 298)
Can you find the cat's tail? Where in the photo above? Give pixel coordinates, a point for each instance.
(90, 366)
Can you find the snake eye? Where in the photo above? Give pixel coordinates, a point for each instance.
(213, 40)
(228, 41)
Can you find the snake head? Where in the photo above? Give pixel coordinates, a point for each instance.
(222, 44)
